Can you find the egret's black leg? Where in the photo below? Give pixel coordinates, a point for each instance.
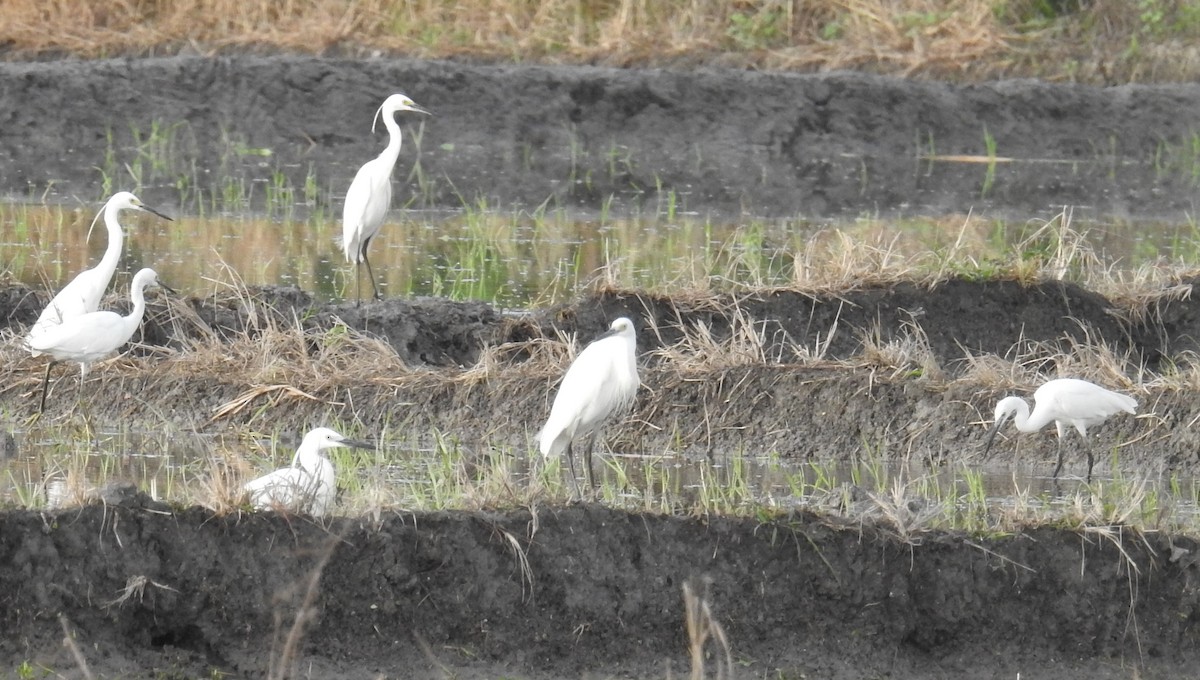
(571, 468)
(587, 456)
(45, 386)
(1058, 467)
(357, 284)
(370, 273)
(1089, 476)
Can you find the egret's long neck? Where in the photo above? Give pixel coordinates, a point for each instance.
(392, 151)
(116, 240)
(1026, 424)
(307, 457)
(137, 293)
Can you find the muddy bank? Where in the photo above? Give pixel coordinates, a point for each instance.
(584, 592)
(950, 320)
(723, 141)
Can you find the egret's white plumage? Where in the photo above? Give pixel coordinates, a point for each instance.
(82, 295)
(309, 485)
(370, 193)
(1068, 402)
(602, 380)
(90, 337)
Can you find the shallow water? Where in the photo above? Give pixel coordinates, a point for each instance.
(520, 258)
(189, 468)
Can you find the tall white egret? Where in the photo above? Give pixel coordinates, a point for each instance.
(83, 293)
(1068, 402)
(602, 380)
(370, 194)
(309, 484)
(90, 337)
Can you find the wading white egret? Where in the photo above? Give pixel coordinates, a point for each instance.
(1068, 402)
(370, 194)
(82, 295)
(90, 337)
(602, 380)
(309, 484)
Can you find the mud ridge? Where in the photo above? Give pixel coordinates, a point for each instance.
(586, 590)
(719, 141)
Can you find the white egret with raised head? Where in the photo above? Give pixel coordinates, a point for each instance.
(309, 484)
(370, 194)
(82, 295)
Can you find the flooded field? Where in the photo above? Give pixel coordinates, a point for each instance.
(179, 468)
(519, 259)
(526, 259)
(829, 297)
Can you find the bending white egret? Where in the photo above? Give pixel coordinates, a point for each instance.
(370, 194)
(82, 295)
(1068, 402)
(601, 381)
(309, 484)
(90, 337)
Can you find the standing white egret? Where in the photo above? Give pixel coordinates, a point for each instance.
(601, 381)
(309, 484)
(1068, 402)
(90, 337)
(82, 295)
(370, 194)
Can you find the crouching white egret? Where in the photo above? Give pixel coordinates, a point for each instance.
(602, 380)
(1068, 402)
(309, 484)
(90, 337)
(82, 295)
(370, 193)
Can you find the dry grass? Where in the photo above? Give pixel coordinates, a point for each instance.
(1100, 41)
(271, 352)
(702, 626)
(700, 349)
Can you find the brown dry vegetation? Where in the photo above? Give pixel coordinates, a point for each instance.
(1097, 41)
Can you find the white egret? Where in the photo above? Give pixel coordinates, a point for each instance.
(309, 484)
(601, 381)
(1068, 402)
(82, 295)
(90, 337)
(370, 194)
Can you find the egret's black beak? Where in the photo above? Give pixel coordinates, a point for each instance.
(992, 435)
(167, 288)
(416, 109)
(355, 444)
(152, 211)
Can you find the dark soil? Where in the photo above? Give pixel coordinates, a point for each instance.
(585, 592)
(720, 141)
(445, 595)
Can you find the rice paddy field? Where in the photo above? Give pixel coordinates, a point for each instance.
(841, 234)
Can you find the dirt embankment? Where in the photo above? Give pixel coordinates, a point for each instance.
(154, 591)
(585, 592)
(723, 141)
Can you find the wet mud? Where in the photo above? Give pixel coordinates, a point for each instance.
(584, 591)
(150, 590)
(712, 141)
